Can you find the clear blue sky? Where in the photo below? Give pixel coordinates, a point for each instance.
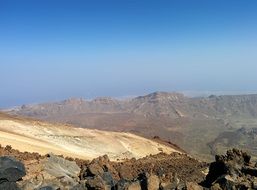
(55, 49)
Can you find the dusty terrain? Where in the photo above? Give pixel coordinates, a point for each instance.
(35, 136)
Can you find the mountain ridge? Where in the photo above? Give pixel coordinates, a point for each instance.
(162, 102)
(191, 122)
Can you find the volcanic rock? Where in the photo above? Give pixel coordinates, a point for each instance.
(61, 168)
(231, 171)
(53, 171)
(108, 180)
(47, 188)
(10, 171)
(95, 183)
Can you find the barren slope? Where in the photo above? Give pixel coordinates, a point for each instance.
(191, 123)
(34, 136)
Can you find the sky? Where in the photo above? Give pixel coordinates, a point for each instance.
(55, 49)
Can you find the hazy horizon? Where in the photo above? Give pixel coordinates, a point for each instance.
(53, 50)
(190, 94)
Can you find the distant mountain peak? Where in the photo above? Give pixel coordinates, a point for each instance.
(158, 95)
(104, 100)
(74, 101)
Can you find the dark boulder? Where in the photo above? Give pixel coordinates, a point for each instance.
(122, 184)
(231, 171)
(149, 181)
(216, 169)
(11, 170)
(226, 182)
(143, 180)
(98, 166)
(108, 179)
(8, 186)
(105, 181)
(47, 188)
(250, 171)
(98, 174)
(230, 164)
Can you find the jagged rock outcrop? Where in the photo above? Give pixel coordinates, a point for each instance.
(232, 171)
(52, 172)
(101, 174)
(11, 171)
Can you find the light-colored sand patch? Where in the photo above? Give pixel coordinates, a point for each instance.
(75, 142)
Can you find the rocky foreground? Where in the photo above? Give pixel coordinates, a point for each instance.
(175, 171)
